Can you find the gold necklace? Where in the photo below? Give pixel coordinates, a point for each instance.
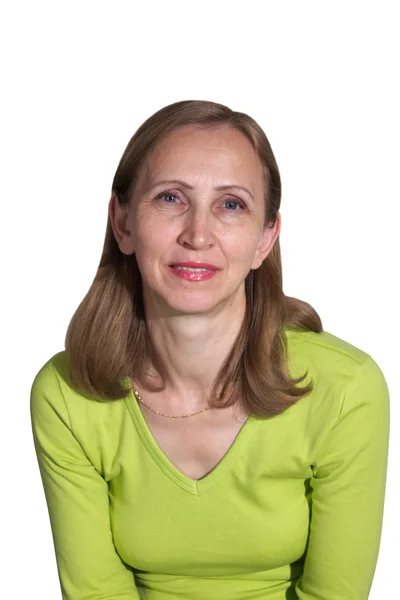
(165, 415)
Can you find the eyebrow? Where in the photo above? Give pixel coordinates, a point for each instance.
(190, 187)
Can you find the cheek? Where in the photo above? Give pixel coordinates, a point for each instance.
(153, 246)
(153, 237)
(241, 248)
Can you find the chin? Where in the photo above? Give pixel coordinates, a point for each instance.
(192, 307)
(176, 302)
(184, 304)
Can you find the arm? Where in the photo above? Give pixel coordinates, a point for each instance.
(348, 491)
(77, 501)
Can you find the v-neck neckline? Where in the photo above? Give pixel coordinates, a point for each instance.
(194, 486)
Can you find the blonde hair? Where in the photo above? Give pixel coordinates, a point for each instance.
(107, 338)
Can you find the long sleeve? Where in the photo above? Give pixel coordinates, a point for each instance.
(348, 490)
(89, 567)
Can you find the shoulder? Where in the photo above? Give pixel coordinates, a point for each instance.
(326, 355)
(48, 410)
(52, 385)
(47, 379)
(95, 425)
(344, 376)
(52, 371)
(50, 382)
(312, 344)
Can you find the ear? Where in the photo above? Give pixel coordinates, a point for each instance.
(119, 218)
(266, 243)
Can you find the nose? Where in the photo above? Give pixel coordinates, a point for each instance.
(197, 230)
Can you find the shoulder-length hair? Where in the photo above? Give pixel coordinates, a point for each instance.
(107, 339)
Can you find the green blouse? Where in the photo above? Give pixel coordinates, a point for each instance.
(292, 511)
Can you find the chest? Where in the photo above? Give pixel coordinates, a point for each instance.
(195, 445)
(238, 509)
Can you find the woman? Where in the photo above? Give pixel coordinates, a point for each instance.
(201, 436)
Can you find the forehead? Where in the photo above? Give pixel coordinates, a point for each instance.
(217, 152)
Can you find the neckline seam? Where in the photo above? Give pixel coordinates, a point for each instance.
(188, 486)
(194, 486)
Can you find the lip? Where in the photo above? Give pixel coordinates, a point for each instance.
(195, 265)
(208, 272)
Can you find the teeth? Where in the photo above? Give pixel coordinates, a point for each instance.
(195, 269)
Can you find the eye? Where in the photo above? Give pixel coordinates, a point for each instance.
(169, 197)
(233, 204)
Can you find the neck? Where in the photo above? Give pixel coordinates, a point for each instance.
(189, 350)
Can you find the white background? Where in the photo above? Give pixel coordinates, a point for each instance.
(79, 77)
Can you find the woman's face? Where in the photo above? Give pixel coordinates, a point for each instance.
(196, 221)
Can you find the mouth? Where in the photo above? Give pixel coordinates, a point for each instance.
(193, 271)
(194, 267)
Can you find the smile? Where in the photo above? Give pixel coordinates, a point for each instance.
(191, 268)
(193, 273)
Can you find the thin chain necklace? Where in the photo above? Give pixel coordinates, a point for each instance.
(165, 415)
